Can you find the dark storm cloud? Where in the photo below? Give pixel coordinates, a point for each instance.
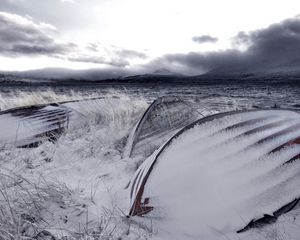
(204, 39)
(21, 36)
(277, 43)
(275, 47)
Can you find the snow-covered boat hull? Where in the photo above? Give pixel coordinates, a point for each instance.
(227, 172)
(29, 126)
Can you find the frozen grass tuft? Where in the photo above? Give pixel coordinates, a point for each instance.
(23, 203)
(28, 211)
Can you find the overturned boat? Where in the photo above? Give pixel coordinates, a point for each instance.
(163, 118)
(225, 173)
(29, 126)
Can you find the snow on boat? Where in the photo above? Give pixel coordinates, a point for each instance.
(30, 126)
(161, 120)
(224, 173)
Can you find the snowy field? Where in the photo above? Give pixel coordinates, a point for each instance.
(77, 188)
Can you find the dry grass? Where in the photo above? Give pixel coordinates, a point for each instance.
(25, 213)
(23, 204)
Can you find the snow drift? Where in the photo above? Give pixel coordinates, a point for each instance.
(74, 188)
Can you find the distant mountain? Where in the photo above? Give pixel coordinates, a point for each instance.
(89, 74)
(61, 76)
(62, 73)
(280, 70)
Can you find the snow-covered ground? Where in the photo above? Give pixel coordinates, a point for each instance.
(82, 176)
(78, 187)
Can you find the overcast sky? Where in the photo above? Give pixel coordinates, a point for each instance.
(190, 36)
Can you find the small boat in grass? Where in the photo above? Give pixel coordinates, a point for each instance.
(30, 126)
(163, 118)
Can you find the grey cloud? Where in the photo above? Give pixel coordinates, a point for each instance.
(197, 63)
(92, 47)
(130, 54)
(275, 47)
(116, 51)
(56, 12)
(116, 62)
(204, 39)
(21, 36)
(241, 38)
(117, 57)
